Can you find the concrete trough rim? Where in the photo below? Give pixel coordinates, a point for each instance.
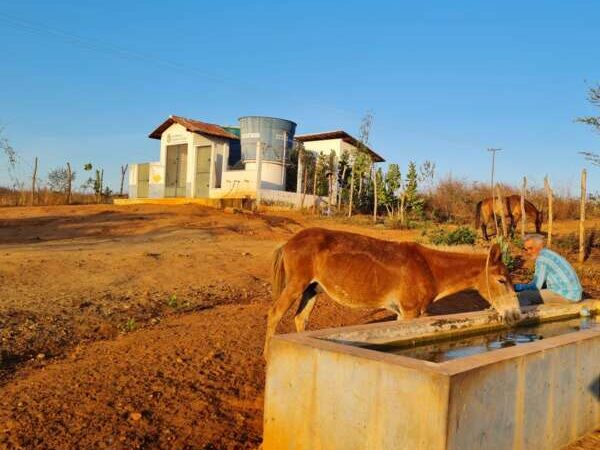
(321, 339)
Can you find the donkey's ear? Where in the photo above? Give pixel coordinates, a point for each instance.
(495, 253)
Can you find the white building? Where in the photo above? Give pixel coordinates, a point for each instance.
(204, 160)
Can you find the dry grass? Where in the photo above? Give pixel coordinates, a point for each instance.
(454, 200)
(43, 197)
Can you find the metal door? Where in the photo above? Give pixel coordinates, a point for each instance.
(203, 170)
(143, 180)
(175, 180)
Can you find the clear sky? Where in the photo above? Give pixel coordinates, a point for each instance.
(88, 80)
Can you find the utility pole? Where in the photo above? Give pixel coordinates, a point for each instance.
(493, 151)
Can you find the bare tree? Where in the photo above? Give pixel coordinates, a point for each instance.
(594, 158)
(359, 160)
(33, 180)
(9, 152)
(593, 121)
(60, 180)
(70, 177)
(594, 99)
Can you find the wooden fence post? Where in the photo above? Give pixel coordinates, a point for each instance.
(33, 179)
(523, 214)
(375, 199)
(69, 176)
(582, 216)
(299, 175)
(502, 211)
(330, 177)
(550, 195)
(303, 199)
(123, 171)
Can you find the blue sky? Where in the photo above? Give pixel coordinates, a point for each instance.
(87, 81)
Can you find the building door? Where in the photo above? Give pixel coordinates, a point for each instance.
(203, 170)
(143, 180)
(175, 180)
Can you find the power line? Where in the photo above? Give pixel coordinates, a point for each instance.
(128, 54)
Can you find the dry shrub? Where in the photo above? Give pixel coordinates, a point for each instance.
(455, 199)
(43, 197)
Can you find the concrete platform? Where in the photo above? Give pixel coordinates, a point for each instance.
(210, 202)
(322, 393)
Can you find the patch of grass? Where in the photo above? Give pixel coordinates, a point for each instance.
(394, 223)
(130, 325)
(172, 301)
(458, 236)
(175, 303)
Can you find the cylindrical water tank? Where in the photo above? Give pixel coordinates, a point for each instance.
(275, 135)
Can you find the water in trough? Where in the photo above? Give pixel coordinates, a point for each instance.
(453, 348)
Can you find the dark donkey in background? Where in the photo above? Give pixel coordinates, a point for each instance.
(484, 214)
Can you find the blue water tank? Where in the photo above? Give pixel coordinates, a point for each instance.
(276, 135)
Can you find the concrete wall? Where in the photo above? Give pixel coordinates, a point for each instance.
(156, 188)
(271, 174)
(132, 180)
(324, 394)
(326, 146)
(292, 199)
(156, 184)
(538, 401)
(327, 400)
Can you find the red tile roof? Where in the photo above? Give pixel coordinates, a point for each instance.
(338, 134)
(193, 126)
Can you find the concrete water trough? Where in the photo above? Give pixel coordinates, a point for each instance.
(360, 388)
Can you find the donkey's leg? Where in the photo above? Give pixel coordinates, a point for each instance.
(289, 295)
(484, 231)
(307, 303)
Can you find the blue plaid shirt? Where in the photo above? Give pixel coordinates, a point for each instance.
(557, 274)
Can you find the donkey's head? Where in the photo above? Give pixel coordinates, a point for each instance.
(496, 287)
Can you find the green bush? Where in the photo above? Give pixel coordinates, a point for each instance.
(507, 258)
(458, 236)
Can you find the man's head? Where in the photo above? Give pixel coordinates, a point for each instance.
(533, 245)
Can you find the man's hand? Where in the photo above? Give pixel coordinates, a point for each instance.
(521, 287)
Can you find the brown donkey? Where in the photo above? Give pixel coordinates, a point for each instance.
(360, 271)
(484, 214)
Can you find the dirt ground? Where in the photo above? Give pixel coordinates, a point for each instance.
(142, 326)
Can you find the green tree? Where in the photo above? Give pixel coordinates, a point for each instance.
(412, 184)
(413, 201)
(393, 179)
(388, 188)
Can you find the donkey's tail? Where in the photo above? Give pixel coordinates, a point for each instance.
(278, 273)
(478, 214)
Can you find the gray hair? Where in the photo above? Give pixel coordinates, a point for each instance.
(534, 237)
